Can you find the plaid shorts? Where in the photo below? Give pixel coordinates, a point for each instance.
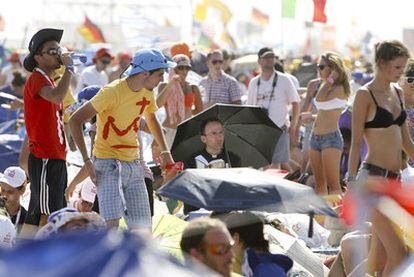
(122, 192)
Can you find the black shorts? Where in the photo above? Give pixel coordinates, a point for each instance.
(48, 181)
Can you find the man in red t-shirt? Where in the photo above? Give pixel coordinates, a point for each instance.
(44, 125)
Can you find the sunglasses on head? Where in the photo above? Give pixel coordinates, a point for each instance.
(52, 51)
(321, 66)
(219, 248)
(217, 62)
(183, 67)
(409, 80)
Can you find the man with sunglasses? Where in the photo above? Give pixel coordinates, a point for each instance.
(208, 241)
(115, 168)
(95, 75)
(43, 117)
(275, 93)
(217, 86)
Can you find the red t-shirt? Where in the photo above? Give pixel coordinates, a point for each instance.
(43, 119)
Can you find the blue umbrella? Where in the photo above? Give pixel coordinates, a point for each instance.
(225, 190)
(91, 254)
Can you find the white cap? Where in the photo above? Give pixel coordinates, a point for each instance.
(7, 232)
(88, 191)
(13, 176)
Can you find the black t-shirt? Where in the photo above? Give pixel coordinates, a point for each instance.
(203, 158)
(21, 219)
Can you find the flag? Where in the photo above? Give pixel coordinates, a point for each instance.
(319, 11)
(228, 39)
(90, 31)
(206, 43)
(260, 17)
(288, 8)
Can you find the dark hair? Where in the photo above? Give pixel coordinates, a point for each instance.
(388, 50)
(207, 121)
(18, 79)
(250, 229)
(195, 231)
(153, 71)
(409, 68)
(214, 52)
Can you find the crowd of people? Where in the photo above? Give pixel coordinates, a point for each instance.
(350, 122)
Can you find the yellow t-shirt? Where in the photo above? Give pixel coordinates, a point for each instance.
(119, 112)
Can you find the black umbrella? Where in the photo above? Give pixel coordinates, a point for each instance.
(248, 132)
(232, 189)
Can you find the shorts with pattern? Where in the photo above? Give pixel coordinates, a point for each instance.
(122, 192)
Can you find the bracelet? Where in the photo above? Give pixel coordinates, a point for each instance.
(165, 152)
(87, 160)
(70, 67)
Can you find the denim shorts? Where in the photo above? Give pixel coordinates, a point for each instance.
(122, 192)
(331, 140)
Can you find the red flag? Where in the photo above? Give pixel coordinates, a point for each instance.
(319, 11)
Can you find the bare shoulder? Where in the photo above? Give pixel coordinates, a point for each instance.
(362, 95)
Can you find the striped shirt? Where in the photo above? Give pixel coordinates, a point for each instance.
(224, 90)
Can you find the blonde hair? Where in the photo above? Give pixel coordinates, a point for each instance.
(335, 63)
(389, 50)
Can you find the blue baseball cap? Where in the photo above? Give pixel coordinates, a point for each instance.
(147, 60)
(88, 92)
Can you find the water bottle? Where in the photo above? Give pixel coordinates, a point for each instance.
(78, 58)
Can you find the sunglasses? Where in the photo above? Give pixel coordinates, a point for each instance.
(321, 66)
(219, 248)
(217, 62)
(105, 61)
(183, 67)
(52, 51)
(409, 80)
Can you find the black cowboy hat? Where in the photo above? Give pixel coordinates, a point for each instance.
(37, 40)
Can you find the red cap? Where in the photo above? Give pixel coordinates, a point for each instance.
(101, 53)
(14, 57)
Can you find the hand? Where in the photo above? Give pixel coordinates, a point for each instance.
(306, 117)
(90, 167)
(166, 159)
(66, 59)
(175, 79)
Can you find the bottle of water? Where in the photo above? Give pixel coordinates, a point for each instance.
(78, 58)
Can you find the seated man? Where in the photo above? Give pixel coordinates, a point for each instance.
(13, 186)
(208, 241)
(213, 155)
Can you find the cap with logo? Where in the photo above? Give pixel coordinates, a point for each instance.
(14, 176)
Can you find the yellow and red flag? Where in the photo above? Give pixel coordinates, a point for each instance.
(91, 32)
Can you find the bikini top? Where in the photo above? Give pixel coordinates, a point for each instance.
(332, 104)
(383, 118)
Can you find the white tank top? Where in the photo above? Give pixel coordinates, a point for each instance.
(332, 104)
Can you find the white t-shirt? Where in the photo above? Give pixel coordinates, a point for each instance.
(90, 76)
(284, 94)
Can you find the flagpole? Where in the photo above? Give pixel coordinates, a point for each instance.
(281, 29)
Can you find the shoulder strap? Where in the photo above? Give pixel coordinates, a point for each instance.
(399, 97)
(372, 95)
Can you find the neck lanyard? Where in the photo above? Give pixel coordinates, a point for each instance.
(44, 75)
(16, 223)
(274, 83)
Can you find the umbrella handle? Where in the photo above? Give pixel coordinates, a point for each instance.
(310, 231)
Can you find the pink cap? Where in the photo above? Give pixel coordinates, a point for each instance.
(88, 191)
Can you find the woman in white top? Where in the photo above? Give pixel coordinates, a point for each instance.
(326, 141)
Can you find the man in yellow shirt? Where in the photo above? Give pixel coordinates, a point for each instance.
(116, 169)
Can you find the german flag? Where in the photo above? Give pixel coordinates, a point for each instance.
(91, 32)
(260, 17)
